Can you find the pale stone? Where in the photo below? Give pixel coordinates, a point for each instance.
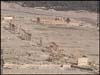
(82, 61)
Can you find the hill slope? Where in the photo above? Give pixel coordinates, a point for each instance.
(61, 5)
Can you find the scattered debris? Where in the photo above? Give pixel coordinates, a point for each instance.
(55, 53)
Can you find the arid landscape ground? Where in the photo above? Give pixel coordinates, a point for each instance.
(32, 56)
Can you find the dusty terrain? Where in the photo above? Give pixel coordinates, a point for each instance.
(69, 38)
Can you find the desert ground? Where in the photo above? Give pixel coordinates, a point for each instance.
(30, 57)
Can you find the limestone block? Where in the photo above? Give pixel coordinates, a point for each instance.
(83, 61)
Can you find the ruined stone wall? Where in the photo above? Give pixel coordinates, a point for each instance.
(57, 21)
(49, 21)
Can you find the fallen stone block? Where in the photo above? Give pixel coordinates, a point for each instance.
(83, 61)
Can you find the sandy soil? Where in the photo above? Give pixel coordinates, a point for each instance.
(17, 51)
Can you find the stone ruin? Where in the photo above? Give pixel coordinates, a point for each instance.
(7, 18)
(68, 20)
(25, 35)
(19, 29)
(56, 54)
(38, 19)
(12, 27)
(57, 21)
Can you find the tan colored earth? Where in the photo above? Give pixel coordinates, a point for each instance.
(69, 38)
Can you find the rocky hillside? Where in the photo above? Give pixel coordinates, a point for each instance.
(61, 5)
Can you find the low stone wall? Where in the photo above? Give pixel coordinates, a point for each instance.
(57, 21)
